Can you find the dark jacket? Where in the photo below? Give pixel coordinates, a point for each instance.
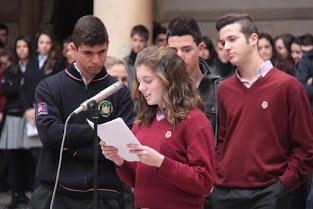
(33, 75)
(130, 61)
(58, 96)
(221, 69)
(304, 72)
(10, 85)
(208, 92)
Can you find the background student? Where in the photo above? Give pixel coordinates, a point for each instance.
(139, 36)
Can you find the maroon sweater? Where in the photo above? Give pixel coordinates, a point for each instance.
(265, 133)
(187, 171)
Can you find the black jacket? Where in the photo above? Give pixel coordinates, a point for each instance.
(304, 72)
(208, 92)
(56, 97)
(223, 70)
(33, 75)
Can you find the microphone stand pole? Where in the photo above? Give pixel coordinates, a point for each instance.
(94, 107)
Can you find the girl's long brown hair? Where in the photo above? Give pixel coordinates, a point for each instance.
(54, 55)
(180, 94)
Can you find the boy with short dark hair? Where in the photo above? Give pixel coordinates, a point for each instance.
(139, 37)
(159, 35)
(57, 97)
(184, 37)
(265, 140)
(306, 42)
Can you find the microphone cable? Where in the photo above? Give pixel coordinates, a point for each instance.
(60, 161)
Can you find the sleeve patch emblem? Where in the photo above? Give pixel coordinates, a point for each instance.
(42, 108)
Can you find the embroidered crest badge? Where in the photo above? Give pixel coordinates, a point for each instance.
(168, 134)
(42, 108)
(264, 104)
(105, 108)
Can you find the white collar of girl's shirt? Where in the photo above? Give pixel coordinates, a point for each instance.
(159, 115)
(42, 60)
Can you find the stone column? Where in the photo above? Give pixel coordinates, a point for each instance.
(119, 17)
(28, 17)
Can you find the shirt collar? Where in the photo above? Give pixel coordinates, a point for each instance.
(42, 60)
(74, 73)
(261, 72)
(81, 75)
(22, 67)
(265, 68)
(159, 115)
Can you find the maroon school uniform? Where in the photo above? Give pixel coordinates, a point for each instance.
(265, 133)
(187, 172)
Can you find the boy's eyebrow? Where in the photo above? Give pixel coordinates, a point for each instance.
(230, 36)
(171, 47)
(88, 51)
(103, 50)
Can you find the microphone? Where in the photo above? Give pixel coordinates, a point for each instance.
(99, 97)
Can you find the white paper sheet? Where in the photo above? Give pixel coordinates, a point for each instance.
(116, 133)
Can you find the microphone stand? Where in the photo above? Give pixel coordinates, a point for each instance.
(94, 107)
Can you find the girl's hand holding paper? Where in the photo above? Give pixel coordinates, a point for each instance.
(110, 153)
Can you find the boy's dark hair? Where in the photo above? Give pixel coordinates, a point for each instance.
(306, 39)
(248, 27)
(158, 30)
(297, 41)
(4, 27)
(68, 39)
(184, 25)
(141, 31)
(89, 30)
